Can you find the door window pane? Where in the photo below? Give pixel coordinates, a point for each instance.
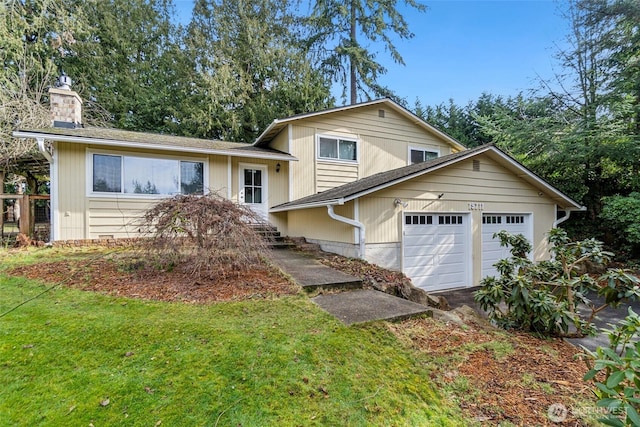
(107, 173)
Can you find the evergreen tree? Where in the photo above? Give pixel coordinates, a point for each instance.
(251, 66)
(335, 27)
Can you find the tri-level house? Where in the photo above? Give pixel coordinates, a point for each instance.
(369, 180)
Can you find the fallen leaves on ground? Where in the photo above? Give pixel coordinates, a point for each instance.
(106, 276)
(497, 376)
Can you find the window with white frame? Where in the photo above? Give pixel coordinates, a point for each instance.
(145, 175)
(419, 155)
(334, 148)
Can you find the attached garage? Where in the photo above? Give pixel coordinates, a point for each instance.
(436, 250)
(493, 223)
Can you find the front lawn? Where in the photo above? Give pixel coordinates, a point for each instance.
(72, 357)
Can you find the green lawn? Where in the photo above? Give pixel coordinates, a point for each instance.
(277, 362)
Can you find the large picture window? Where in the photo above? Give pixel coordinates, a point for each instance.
(337, 149)
(146, 175)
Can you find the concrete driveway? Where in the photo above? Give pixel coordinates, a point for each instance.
(459, 297)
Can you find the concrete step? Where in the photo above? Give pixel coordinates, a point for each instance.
(359, 306)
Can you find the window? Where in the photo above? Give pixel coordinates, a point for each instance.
(337, 149)
(418, 220)
(449, 219)
(419, 155)
(146, 175)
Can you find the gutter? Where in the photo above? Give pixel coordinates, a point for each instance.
(353, 222)
(559, 221)
(237, 152)
(43, 149)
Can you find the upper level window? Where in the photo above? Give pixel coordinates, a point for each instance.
(419, 155)
(146, 175)
(337, 149)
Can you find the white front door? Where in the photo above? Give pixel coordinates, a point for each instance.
(436, 250)
(492, 252)
(253, 188)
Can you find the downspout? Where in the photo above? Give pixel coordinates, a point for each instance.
(43, 150)
(53, 191)
(559, 221)
(352, 222)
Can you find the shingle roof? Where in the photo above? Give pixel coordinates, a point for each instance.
(118, 137)
(379, 181)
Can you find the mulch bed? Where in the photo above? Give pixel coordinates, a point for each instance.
(518, 387)
(106, 276)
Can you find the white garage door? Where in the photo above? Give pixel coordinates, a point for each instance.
(492, 252)
(436, 250)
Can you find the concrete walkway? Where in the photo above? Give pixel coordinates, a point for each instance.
(355, 305)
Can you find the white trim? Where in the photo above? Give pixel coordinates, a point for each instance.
(89, 152)
(54, 234)
(229, 178)
(423, 149)
(289, 166)
(310, 205)
(337, 138)
(148, 146)
(264, 206)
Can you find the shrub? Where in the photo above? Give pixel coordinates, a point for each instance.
(543, 297)
(618, 386)
(206, 236)
(621, 214)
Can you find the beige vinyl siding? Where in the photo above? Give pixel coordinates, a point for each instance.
(218, 176)
(496, 188)
(383, 144)
(116, 217)
(281, 141)
(334, 174)
(71, 188)
(303, 175)
(84, 216)
(316, 224)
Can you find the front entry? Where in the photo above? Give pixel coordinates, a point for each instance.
(253, 188)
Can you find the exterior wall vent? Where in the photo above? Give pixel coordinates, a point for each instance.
(476, 165)
(381, 113)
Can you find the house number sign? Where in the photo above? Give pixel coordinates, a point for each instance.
(476, 206)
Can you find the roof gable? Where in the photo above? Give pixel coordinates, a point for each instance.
(277, 125)
(380, 181)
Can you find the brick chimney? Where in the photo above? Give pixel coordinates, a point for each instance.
(66, 105)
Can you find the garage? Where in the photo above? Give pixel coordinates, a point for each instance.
(436, 250)
(492, 252)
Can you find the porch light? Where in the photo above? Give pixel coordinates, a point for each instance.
(278, 167)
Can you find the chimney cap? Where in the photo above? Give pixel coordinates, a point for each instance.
(64, 82)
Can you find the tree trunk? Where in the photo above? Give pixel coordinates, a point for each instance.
(352, 61)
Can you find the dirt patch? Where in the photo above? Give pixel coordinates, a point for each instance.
(498, 377)
(109, 276)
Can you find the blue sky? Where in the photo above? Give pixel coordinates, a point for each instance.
(463, 48)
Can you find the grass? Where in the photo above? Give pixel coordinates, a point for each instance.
(74, 358)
